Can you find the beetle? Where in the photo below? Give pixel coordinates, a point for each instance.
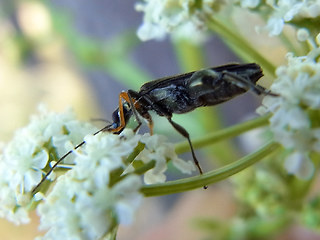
(181, 94)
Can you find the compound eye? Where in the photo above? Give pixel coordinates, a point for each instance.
(116, 116)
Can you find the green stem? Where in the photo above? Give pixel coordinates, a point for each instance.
(145, 167)
(138, 171)
(190, 56)
(126, 72)
(214, 176)
(287, 41)
(223, 134)
(135, 153)
(240, 45)
(109, 56)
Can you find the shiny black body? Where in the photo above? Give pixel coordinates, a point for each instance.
(186, 92)
(181, 94)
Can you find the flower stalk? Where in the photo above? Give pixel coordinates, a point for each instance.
(211, 177)
(240, 45)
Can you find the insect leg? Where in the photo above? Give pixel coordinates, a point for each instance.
(148, 117)
(184, 133)
(120, 123)
(121, 113)
(134, 108)
(176, 126)
(138, 109)
(198, 78)
(246, 84)
(150, 124)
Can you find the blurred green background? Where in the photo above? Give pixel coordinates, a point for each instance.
(81, 54)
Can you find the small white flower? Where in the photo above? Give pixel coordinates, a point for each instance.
(82, 205)
(284, 11)
(298, 85)
(25, 157)
(157, 148)
(303, 34)
(24, 164)
(249, 3)
(275, 26)
(9, 208)
(95, 163)
(299, 164)
(128, 198)
(93, 196)
(86, 202)
(186, 19)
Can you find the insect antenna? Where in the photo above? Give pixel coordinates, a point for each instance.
(64, 156)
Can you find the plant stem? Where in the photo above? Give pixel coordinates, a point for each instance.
(190, 56)
(223, 134)
(240, 45)
(214, 176)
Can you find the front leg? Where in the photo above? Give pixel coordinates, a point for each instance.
(138, 107)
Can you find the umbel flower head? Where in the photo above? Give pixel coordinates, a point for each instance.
(186, 19)
(281, 12)
(24, 159)
(294, 122)
(98, 187)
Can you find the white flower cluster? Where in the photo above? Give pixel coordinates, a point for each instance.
(295, 121)
(25, 157)
(157, 148)
(83, 205)
(284, 11)
(186, 18)
(100, 191)
(86, 203)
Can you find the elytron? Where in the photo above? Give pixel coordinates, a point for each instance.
(181, 94)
